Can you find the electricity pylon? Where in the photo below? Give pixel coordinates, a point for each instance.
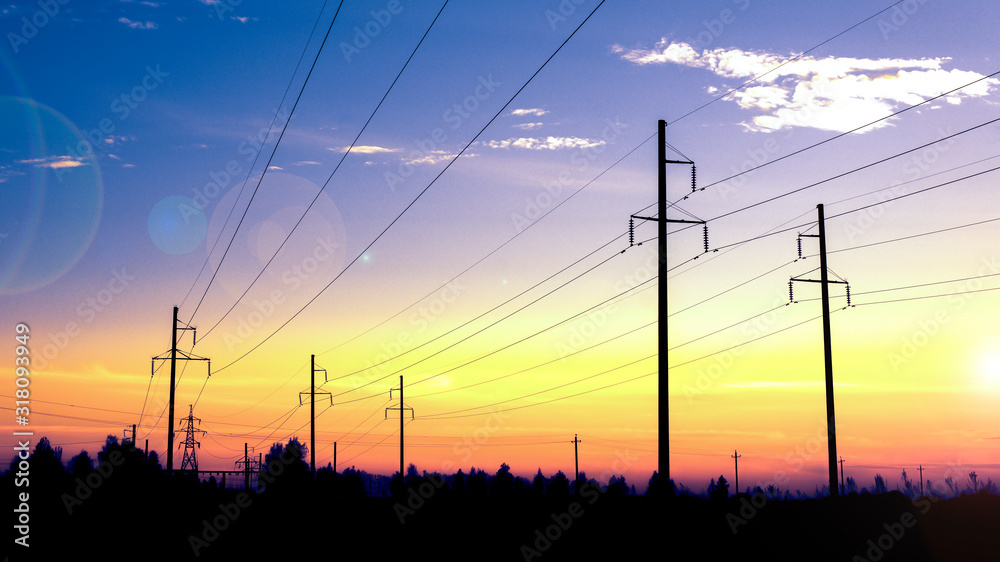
(190, 461)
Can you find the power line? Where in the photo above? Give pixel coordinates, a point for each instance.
(268, 165)
(260, 149)
(422, 192)
(336, 168)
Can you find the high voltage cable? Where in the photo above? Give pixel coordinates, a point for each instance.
(869, 165)
(947, 183)
(800, 55)
(801, 150)
(630, 363)
(495, 250)
(567, 356)
(268, 165)
(544, 402)
(260, 149)
(337, 167)
(491, 310)
(422, 192)
(488, 327)
(522, 340)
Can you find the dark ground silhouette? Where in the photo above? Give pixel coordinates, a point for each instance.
(121, 504)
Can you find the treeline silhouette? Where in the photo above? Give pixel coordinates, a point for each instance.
(122, 503)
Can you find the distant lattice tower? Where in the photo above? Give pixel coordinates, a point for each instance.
(190, 461)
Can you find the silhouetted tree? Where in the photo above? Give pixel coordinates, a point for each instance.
(718, 491)
(81, 465)
(617, 487)
(558, 487)
(503, 482)
(538, 484)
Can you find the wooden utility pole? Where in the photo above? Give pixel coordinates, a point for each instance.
(842, 487)
(576, 455)
(663, 392)
(312, 410)
(173, 382)
(824, 281)
(401, 408)
(335, 457)
(921, 469)
(173, 374)
(736, 462)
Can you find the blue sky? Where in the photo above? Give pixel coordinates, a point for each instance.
(174, 97)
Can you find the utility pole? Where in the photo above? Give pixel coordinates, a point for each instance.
(190, 460)
(824, 281)
(173, 373)
(401, 408)
(921, 469)
(172, 357)
(842, 487)
(576, 455)
(663, 394)
(335, 457)
(736, 461)
(312, 410)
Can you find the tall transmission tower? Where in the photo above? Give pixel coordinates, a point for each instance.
(190, 461)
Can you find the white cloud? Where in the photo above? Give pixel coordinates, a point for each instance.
(137, 24)
(548, 143)
(366, 149)
(534, 111)
(434, 156)
(307, 163)
(527, 126)
(833, 93)
(54, 162)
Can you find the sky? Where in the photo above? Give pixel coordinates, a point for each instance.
(469, 231)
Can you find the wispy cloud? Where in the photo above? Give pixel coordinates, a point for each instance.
(534, 111)
(55, 162)
(137, 24)
(527, 126)
(366, 149)
(307, 163)
(435, 156)
(547, 143)
(832, 93)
